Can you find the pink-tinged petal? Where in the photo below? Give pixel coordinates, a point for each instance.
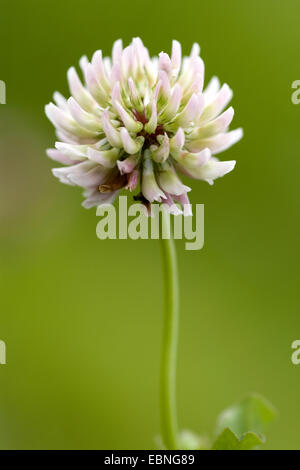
(173, 104)
(112, 134)
(95, 198)
(64, 136)
(69, 138)
(63, 174)
(217, 126)
(100, 71)
(176, 55)
(135, 98)
(161, 153)
(169, 181)
(151, 125)
(129, 62)
(165, 63)
(137, 47)
(170, 205)
(193, 108)
(150, 188)
(78, 91)
(183, 199)
(157, 90)
(213, 169)
(216, 144)
(86, 120)
(131, 145)
(217, 105)
(177, 142)
(196, 85)
(89, 179)
(116, 93)
(133, 180)
(59, 118)
(191, 112)
(116, 73)
(75, 152)
(127, 165)
(94, 87)
(107, 158)
(60, 157)
(197, 66)
(211, 90)
(65, 122)
(60, 101)
(141, 56)
(165, 89)
(107, 66)
(83, 63)
(100, 144)
(150, 70)
(195, 50)
(191, 76)
(192, 160)
(117, 51)
(129, 122)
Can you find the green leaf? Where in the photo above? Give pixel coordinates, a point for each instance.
(227, 440)
(253, 414)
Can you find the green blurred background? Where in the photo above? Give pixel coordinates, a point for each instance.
(82, 317)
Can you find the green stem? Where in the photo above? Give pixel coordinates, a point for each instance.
(169, 424)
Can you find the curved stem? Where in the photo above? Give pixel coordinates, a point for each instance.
(169, 424)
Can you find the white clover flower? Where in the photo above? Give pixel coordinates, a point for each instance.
(140, 121)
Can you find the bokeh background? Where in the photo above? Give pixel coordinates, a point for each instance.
(81, 317)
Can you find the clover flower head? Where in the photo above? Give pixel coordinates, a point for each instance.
(136, 122)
